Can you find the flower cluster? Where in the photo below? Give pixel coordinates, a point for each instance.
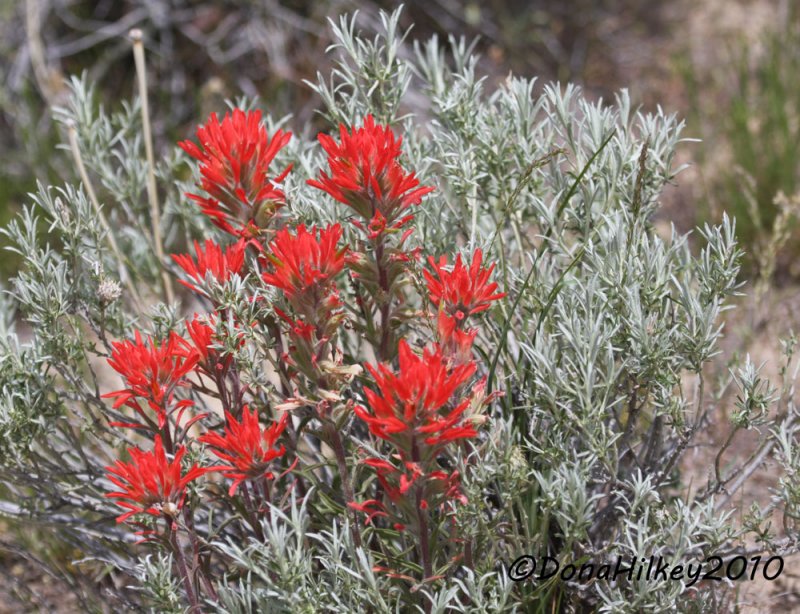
(305, 262)
(461, 291)
(211, 260)
(246, 447)
(151, 483)
(421, 412)
(234, 157)
(365, 175)
(418, 410)
(458, 293)
(152, 371)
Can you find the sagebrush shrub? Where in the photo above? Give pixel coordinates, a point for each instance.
(400, 358)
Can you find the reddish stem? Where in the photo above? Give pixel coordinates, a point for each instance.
(187, 515)
(422, 522)
(251, 512)
(341, 462)
(194, 605)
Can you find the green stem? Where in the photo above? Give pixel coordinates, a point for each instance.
(383, 281)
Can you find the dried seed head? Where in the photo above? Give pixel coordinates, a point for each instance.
(517, 461)
(109, 291)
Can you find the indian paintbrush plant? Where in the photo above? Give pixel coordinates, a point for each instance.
(400, 356)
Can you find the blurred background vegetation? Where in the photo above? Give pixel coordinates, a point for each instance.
(728, 66)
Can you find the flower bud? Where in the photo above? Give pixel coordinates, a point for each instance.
(266, 211)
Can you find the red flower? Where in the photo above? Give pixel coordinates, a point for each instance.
(150, 483)
(247, 447)
(371, 508)
(204, 337)
(461, 291)
(151, 371)
(220, 265)
(234, 161)
(299, 328)
(303, 261)
(413, 400)
(438, 488)
(365, 175)
(418, 411)
(455, 341)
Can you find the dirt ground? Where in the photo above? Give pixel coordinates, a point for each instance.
(755, 328)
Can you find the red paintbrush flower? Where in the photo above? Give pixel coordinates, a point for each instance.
(234, 158)
(414, 400)
(438, 488)
(302, 261)
(460, 291)
(204, 337)
(247, 447)
(371, 507)
(365, 175)
(418, 412)
(454, 341)
(150, 483)
(152, 371)
(211, 260)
